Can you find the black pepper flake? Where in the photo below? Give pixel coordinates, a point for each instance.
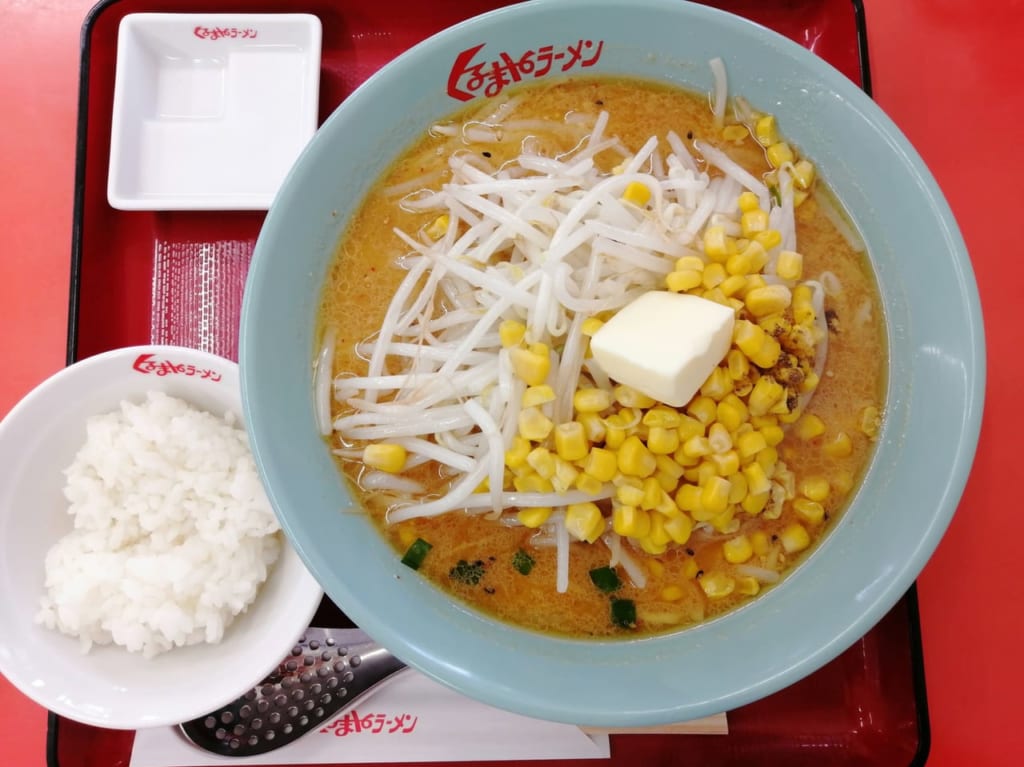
(690, 551)
(700, 574)
(832, 320)
(486, 153)
(774, 537)
(488, 590)
(599, 102)
(689, 135)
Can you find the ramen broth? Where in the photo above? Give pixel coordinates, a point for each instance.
(473, 556)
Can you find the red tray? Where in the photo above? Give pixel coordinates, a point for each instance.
(178, 278)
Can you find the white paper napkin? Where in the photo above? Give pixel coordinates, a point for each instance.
(412, 719)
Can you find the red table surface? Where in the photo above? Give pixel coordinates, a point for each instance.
(947, 71)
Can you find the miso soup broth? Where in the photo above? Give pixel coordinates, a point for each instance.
(480, 433)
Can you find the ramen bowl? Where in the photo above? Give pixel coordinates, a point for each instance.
(862, 566)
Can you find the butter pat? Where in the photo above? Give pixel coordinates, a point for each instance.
(664, 344)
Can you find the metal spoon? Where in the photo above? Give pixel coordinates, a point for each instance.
(327, 671)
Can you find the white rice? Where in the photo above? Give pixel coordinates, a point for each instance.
(173, 534)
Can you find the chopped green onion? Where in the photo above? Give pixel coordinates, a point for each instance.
(522, 562)
(776, 195)
(466, 572)
(606, 579)
(624, 613)
(416, 553)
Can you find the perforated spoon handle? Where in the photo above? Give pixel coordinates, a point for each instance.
(328, 670)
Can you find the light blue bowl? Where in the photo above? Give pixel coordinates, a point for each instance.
(866, 563)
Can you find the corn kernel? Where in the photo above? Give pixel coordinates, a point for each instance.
(747, 585)
(760, 542)
(779, 154)
(734, 133)
(529, 365)
(652, 548)
(704, 409)
(385, 456)
(688, 497)
(636, 193)
(615, 431)
(690, 427)
(757, 480)
(714, 495)
(679, 528)
(717, 385)
(535, 396)
(631, 521)
(565, 475)
(766, 392)
(600, 464)
(794, 538)
(672, 593)
(753, 221)
(815, 487)
(628, 495)
(627, 396)
(767, 459)
(591, 400)
(739, 487)
(689, 262)
(532, 482)
(769, 238)
(727, 463)
(732, 285)
(754, 503)
(655, 568)
(732, 412)
(741, 263)
(717, 585)
(773, 434)
(870, 421)
(662, 416)
(511, 333)
(766, 130)
(593, 426)
(662, 440)
(840, 446)
(534, 517)
(533, 424)
(771, 299)
(571, 441)
(635, 459)
(803, 173)
(696, 447)
(589, 484)
(748, 201)
(682, 280)
(584, 521)
(789, 265)
(842, 482)
(808, 427)
(652, 494)
(719, 438)
(716, 243)
(658, 535)
(737, 550)
(750, 444)
(591, 325)
(811, 512)
(713, 275)
(515, 456)
(438, 227)
(542, 461)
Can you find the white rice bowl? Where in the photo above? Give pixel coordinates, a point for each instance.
(199, 587)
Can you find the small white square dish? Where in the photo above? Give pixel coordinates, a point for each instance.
(210, 110)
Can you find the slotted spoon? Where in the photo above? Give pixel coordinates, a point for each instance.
(328, 670)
